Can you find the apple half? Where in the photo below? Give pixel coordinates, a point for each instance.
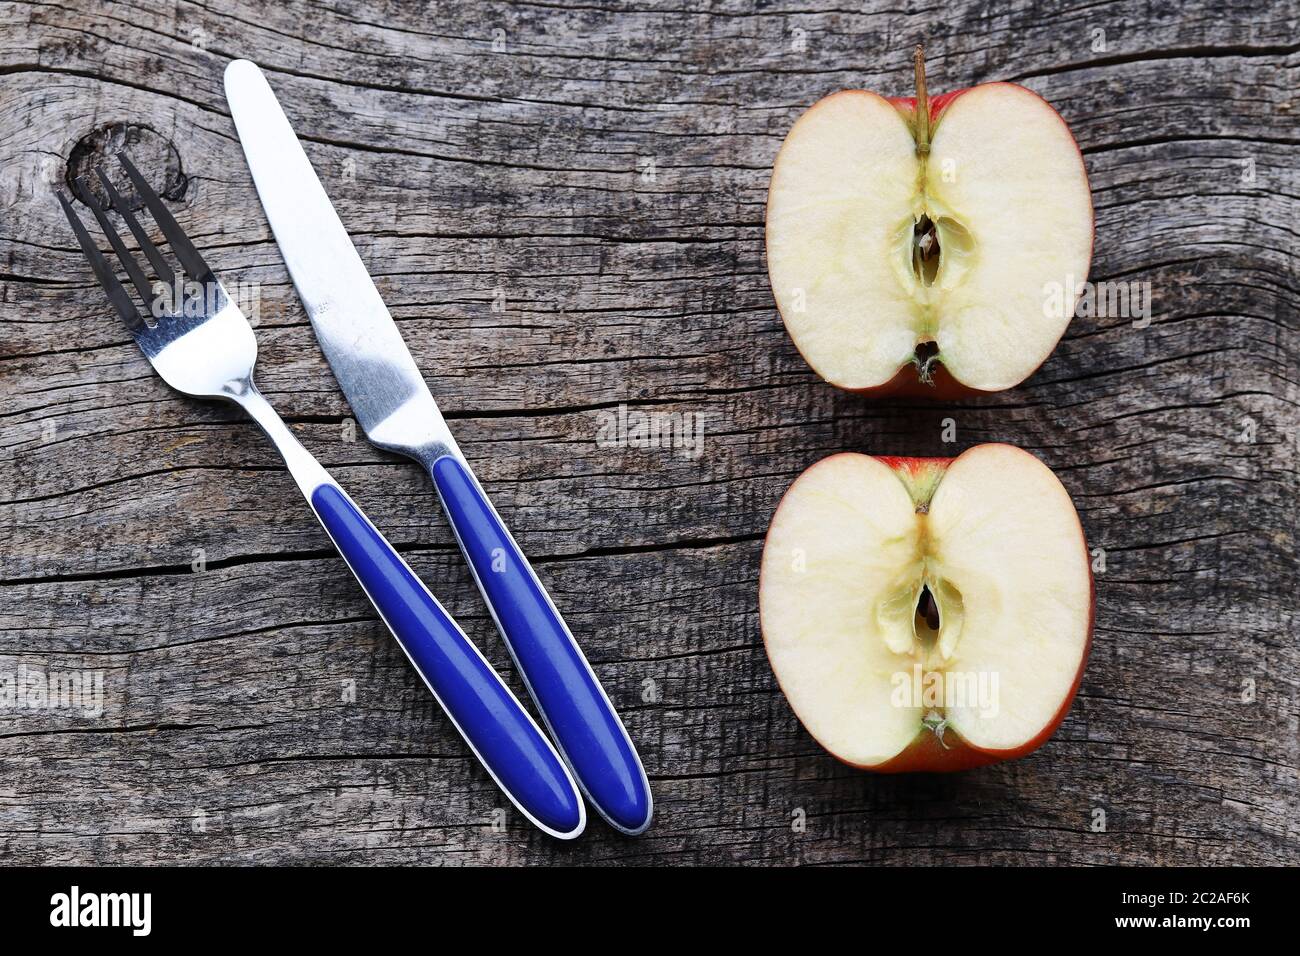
(927, 613)
(928, 246)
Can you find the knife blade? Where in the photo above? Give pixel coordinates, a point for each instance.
(394, 407)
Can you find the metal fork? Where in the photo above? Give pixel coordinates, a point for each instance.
(205, 347)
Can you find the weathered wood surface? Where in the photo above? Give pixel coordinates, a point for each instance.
(470, 176)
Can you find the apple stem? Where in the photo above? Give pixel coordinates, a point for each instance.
(922, 105)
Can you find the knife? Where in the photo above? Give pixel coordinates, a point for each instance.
(393, 405)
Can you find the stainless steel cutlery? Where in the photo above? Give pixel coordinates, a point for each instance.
(205, 347)
(394, 407)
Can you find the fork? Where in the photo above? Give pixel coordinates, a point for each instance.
(205, 347)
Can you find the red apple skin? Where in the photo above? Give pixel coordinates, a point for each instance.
(943, 387)
(907, 104)
(915, 465)
(925, 754)
(906, 383)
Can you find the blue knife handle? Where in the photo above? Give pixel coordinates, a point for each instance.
(490, 718)
(573, 704)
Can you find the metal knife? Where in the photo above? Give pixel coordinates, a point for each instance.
(393, 405)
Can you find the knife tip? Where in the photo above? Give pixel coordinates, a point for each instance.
(238, 69)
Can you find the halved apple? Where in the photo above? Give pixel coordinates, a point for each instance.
(928, 250)
(927, 613)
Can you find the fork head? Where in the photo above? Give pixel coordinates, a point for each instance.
(199, 342)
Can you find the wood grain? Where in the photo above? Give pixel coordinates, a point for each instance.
(566, 216)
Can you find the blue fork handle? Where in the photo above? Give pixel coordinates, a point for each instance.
(573, 704)
(490, 718)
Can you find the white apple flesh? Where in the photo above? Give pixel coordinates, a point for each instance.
(967, 578)
(909, 247)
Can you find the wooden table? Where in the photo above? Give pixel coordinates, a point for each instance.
(564, 210)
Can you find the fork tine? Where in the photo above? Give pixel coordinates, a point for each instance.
(160, 266)
(117, 294)
(133, 269)
(190, 259)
